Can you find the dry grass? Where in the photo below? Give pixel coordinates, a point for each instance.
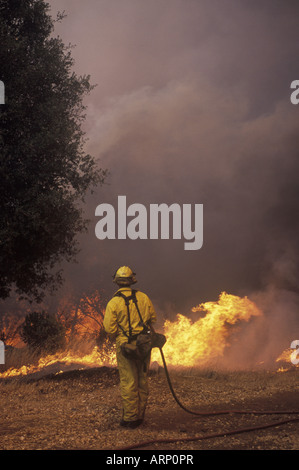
(81, 410)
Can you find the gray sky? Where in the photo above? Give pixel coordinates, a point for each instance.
(192, 106)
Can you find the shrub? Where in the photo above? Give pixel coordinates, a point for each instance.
(42, 332)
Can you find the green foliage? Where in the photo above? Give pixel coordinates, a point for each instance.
(44, 171)
(42, 332)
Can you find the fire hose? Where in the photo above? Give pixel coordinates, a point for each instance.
(214, 413)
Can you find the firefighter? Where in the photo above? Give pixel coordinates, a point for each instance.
(122, 321)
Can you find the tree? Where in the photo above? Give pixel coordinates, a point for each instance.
(44, 171)
(82, 315)
(43, 332)
(9, 329)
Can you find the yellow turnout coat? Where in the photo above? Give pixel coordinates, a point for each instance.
(133, 373)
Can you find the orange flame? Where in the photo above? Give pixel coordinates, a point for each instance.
(93, 359)
(287, 358)
(196, 344)
(189, 343)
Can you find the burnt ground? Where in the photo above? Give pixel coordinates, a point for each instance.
(80, 410)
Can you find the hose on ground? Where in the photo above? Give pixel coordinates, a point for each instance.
(208, 436)
(214, 413)
(221, 412)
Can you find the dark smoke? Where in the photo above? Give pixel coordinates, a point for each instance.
(193, 106)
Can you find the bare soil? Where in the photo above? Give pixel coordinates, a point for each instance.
(81, 409)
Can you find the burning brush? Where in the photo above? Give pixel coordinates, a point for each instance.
(212, 340)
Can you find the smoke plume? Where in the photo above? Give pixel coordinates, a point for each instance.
(192, 105)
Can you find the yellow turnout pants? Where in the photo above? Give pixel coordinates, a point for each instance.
(133, 385)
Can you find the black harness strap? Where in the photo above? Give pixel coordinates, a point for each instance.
(134, 298)
(127, 301)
